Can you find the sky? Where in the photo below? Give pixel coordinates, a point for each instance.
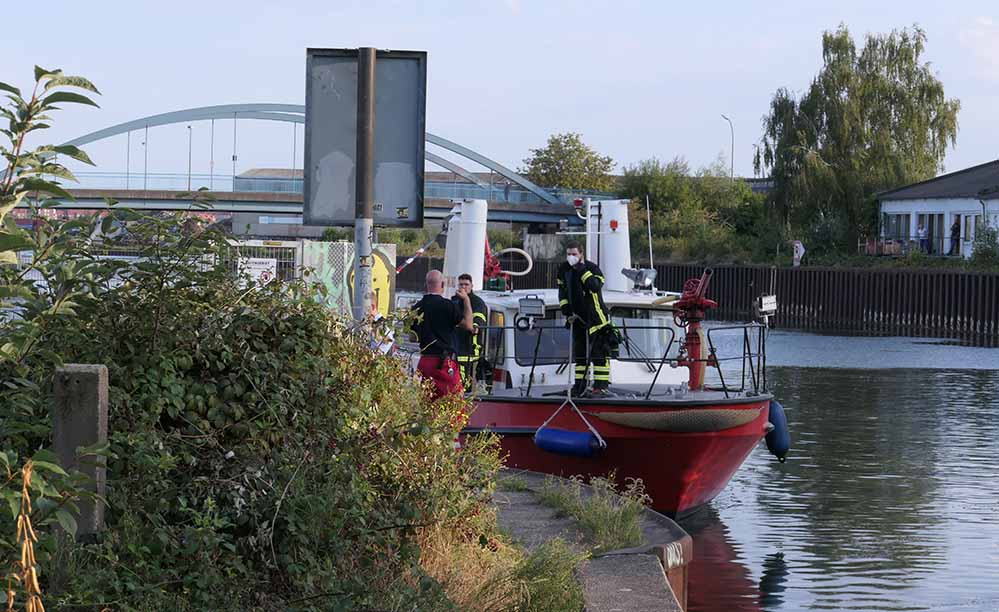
(636, 79)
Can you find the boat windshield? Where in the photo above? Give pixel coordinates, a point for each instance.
(548, 337)
(645, 334)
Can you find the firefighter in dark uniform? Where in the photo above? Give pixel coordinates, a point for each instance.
(469, 349)
(593, 336)
(434, 323)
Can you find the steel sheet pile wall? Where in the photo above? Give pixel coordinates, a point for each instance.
(893, 302)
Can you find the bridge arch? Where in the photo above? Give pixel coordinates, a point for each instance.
(295, 113)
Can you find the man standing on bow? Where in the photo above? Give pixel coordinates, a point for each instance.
(468, 347)
(435, 320)
(593, 337)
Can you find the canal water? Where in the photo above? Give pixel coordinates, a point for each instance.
(889, 499)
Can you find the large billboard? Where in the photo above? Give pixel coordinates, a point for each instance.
(331, 137)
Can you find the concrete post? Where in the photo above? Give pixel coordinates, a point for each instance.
(365, 182)
(80, 418)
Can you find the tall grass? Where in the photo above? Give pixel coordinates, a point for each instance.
(609, 517)
(485, 573)
(511, 484)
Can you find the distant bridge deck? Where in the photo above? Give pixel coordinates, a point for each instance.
(291, 204)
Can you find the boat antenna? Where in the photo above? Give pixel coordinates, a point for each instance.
(648, 222)
(419, 252)
(423, 248)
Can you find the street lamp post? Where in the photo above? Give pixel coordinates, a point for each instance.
(732, 150)
(189, 158)
(128, 156)
(145, 159)
(211, 163)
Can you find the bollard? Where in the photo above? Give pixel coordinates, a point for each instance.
(80, 418)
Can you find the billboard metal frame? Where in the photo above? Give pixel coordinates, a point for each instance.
(384, 215)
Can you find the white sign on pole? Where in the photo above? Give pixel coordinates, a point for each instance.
(261, 270)
(799, 252)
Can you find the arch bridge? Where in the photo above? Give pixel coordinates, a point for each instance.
(531, 204)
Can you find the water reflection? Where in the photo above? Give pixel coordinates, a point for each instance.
(772, 583)
(888, 499)
(716, 579)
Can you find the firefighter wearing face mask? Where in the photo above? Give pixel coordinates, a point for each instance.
(468, 345)
(593, 336)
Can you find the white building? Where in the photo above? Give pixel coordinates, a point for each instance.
(967, 197)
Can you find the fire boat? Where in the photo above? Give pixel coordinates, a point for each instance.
(687, 402)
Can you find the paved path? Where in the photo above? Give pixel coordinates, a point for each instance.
(627, 580)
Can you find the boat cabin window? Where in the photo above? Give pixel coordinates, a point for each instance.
(549, 337)
(645, 332)
(494, 337)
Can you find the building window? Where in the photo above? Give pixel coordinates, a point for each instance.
(971, 223)
(266, 219)
(896, 227)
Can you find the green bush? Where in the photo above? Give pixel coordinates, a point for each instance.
(985, 249)
(259, 457)
(702, 216)
(408, 241)
(502, 239)
(259, 452)
(337, 234)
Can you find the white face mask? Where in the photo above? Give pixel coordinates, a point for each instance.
(572, 259)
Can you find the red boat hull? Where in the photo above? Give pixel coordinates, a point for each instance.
(681, 471)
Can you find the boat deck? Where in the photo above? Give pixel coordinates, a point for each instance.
(626, 395)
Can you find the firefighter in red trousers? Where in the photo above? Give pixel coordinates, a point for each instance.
(435, 324)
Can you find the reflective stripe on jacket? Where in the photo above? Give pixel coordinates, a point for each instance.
(580, 292)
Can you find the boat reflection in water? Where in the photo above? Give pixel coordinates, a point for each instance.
(888, 502)
(718, 579)
(772, 587)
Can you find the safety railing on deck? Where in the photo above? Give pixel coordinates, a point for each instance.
(753, 363)
(750, 354)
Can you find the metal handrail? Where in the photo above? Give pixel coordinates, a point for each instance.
(753, 361)
(757, 371)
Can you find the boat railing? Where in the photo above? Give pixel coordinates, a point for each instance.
(751, 354)
(568, 358)
(753, 358)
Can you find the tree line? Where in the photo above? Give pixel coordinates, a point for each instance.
(874, 117)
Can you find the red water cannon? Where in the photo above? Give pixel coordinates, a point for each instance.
(692, 303)
(688, 312)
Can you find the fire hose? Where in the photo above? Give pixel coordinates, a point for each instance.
(525, 254)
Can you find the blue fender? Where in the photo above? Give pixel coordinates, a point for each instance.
(779, 438)
(565, 442)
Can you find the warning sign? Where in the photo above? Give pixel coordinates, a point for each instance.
(261, 270)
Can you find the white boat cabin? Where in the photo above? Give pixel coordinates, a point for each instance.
(514, 350)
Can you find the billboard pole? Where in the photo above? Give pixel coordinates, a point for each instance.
(365, 185)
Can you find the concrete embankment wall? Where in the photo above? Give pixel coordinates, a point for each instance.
(871, 301)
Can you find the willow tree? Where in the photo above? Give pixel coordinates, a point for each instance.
(872, 119)
(567, 162)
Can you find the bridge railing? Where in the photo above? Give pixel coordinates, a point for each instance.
(227, 183)
(151, 181)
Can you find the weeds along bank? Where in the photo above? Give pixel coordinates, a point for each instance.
(259, 456)
(259, 452)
